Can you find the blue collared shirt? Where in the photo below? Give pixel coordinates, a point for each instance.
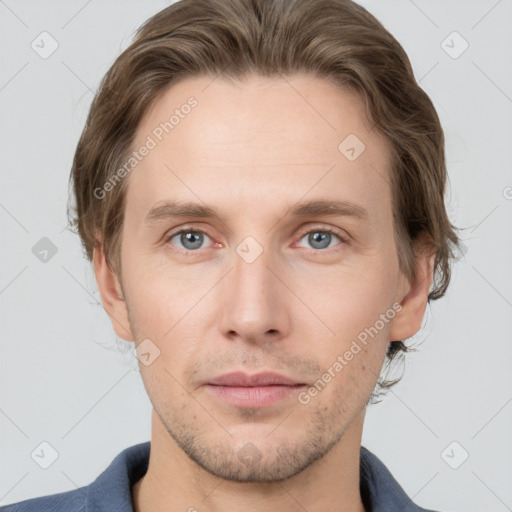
(112, 490)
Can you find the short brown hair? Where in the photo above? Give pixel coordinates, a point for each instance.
(337, 40)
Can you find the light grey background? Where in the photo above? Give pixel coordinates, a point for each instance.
(64, 376)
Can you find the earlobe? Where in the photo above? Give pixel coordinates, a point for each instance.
(413, 300)
(111, 294)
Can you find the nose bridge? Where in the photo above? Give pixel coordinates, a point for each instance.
(252, 298)
(250, 274)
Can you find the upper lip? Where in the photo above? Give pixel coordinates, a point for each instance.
(241, 379)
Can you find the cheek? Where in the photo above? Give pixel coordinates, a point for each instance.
(158, 294)
(168, 310)
(351, 300)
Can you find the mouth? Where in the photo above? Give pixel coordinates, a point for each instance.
(253, 391)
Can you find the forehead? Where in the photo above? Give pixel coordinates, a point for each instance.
(256, 141)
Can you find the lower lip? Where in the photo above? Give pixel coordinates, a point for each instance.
(258, 396)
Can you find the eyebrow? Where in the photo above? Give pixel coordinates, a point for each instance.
(177, 209)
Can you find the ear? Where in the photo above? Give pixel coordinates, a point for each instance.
(413, 297)
(111, 294)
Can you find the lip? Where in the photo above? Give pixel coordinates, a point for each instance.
(253, 391)
(240, 379)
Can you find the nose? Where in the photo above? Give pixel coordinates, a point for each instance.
(253, 301)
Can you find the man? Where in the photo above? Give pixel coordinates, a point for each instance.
(260, 189)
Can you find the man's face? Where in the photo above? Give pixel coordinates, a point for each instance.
(262, 289)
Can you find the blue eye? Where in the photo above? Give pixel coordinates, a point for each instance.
(191, 240)
(320, 239)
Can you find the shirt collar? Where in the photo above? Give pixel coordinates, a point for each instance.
(380, 491)
(112, 490)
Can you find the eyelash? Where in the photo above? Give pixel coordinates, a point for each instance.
(312, 230)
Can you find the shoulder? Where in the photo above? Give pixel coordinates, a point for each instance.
(110, 491)
(64, 501)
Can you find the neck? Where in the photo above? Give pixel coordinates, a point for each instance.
(175, 482)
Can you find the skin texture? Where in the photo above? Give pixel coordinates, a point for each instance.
(252, 149)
